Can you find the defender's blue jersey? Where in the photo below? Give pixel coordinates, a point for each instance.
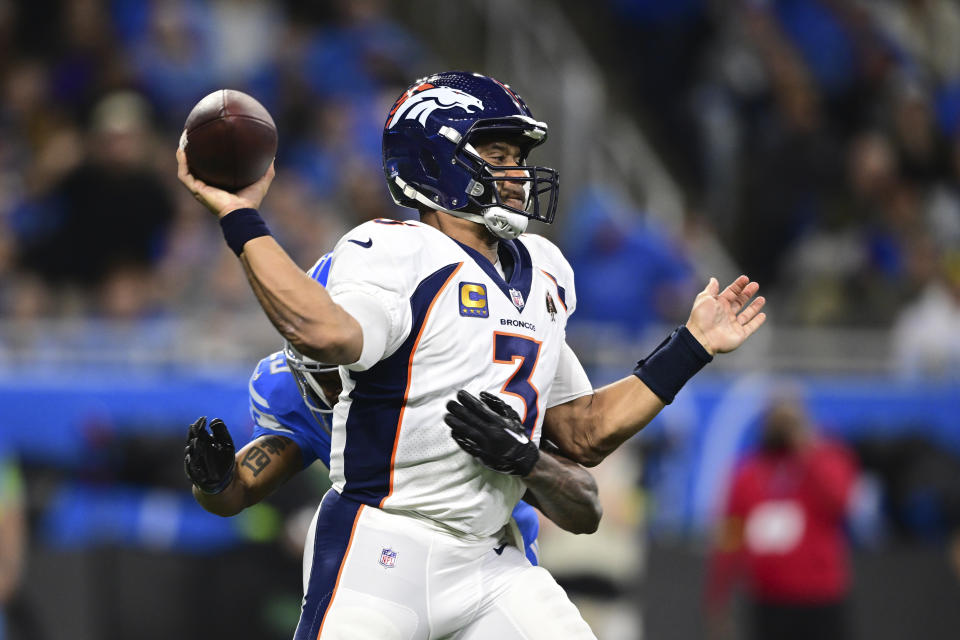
(277, 408)
(528, 522)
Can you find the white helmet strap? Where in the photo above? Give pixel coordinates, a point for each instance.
(501, 222)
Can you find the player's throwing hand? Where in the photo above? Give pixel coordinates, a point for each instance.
(217, 200)
(491, 432)
(208, 458)
(722, 320)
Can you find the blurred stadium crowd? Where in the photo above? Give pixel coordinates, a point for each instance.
(817, 140)
(94, 223)
(820, 139)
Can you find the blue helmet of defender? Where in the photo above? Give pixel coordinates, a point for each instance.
(304, 369)
(430, 158)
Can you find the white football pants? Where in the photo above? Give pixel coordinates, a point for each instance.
(373, 575)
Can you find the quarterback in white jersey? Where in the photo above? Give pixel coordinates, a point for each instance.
(445, 319)
(411, 542)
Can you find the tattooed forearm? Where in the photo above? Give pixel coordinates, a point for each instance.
(259, 456)
(262, 466)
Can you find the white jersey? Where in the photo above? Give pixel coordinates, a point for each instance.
(437, 317)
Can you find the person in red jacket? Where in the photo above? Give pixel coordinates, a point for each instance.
(783, 531)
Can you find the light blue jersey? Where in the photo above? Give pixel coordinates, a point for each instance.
(277, 408)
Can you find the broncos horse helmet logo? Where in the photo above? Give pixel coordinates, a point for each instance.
(419, 103)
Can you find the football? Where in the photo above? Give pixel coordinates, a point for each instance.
(230, 140)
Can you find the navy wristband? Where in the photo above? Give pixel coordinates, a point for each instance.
(242, 225)
(672, 363)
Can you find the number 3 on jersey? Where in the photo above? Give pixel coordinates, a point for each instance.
(508, 348)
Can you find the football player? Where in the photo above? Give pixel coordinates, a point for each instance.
(291, 399)
(457, 304)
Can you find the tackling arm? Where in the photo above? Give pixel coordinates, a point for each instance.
(490, 430)
(262, 466)
(563, 491)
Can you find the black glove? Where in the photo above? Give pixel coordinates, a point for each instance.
(208, 458)
(491, 431)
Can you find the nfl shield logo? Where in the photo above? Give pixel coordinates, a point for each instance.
(517, 299)
(388, 558)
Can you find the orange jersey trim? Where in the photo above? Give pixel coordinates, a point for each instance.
(557, 285)
(406, 391)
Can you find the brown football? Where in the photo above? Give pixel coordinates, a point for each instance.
(230, 140)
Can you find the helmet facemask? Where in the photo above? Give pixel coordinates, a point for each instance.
(305, 372)
(539, 184)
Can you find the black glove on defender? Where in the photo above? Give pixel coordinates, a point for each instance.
(208, 458)
(491, 431)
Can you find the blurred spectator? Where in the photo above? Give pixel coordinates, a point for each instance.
(172, 54)
(630, 274)
(783, 529)
(942, 206)
(926, 335)
(336, 142)
(921, 484)
(86, 64)
(306, 223)
(920, 149)
(788, 185)
(40, 142)
(359, 53)
(245, 37)
(108, 217)
(6, 29)
(13, 534)
(792, 171)
(315, 155)
(858, 264)
(926, 31)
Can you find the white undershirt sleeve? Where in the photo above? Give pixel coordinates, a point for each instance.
(378, 322)
(571, 381)
(373, 273)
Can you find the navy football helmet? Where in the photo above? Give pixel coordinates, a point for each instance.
(430, 159)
